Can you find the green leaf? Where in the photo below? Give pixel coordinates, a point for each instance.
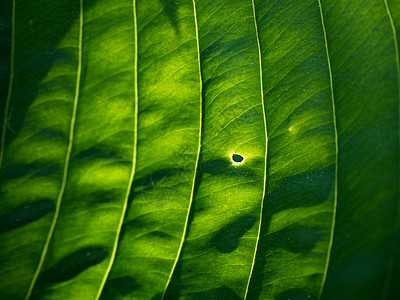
(391, 289)
(59, 161)
(194, 149)
(37, 115)
(169, 126)
(5, 56)
(299, 207)
(365, 83)
(217, 256)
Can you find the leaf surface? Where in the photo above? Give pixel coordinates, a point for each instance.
(169, 102)
(299, 205)
(199, 149)
(391, 288)
(73, 169)
(5, 59)
(365, 79)
(218, 253)
(35, 133)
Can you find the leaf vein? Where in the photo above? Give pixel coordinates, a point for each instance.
(197, 158)
(266, 150)
(390, 267)
(336, 151)
(125, 205)
(67, 158)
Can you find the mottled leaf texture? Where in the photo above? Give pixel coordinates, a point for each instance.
(366, 89)
(199, 149)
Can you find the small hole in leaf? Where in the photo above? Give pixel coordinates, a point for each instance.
(237, 159)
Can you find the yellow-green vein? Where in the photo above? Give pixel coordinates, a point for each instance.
(67, 157)
(128, 191)
(397, 220)
(266, 150)
(197, 158)
(10, 85)
(328, 256)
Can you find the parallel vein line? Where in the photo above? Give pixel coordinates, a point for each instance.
(197, 158)
(336, 150)
(67, 158)
(266, 151)
(10, 85)
(125, 206)
(397, 220)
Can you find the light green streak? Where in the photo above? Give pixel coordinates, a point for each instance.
(197, 158)
(328, 256)
(266, 150)
(390, 267)
(124, 208)
(67, 158)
